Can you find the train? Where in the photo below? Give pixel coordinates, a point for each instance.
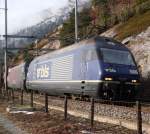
(97, 67)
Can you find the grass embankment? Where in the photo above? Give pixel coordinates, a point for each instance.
(133, 26)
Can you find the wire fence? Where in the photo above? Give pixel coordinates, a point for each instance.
(133, 115)
(128, 114)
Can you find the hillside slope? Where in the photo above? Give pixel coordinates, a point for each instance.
(133, 26)
(140, 47)
(127, 31)
(135, 33)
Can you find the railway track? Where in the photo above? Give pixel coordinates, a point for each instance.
(108, 110)
(114, 114)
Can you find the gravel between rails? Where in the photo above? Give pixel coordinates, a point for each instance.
(114, 111)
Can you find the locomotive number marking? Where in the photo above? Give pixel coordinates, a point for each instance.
(43, 71)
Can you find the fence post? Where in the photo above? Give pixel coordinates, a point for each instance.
(139, 118)
(31, 98)
(13, 99)
(46, 102)
(92, 112)
(21, 97)
(7, 94)
(65, 107)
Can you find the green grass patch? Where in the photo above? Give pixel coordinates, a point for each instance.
(22, 107)
(133, 26)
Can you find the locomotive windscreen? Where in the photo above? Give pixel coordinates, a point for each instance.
(117, 57)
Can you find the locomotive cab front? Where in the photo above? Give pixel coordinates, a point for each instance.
(120, 74)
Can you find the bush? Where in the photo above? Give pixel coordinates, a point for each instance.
(27, 56)
(112, 20)
(142, 8)
(68, 31)
(138, 2)
(103, 15)
(126, 14)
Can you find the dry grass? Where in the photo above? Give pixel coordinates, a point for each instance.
(53, 122)
(134, 26)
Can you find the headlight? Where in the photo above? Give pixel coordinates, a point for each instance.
(134, 81)
(109, 79)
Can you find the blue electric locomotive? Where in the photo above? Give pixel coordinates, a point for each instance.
(99, 67)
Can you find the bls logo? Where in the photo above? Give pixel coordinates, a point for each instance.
(43, 71)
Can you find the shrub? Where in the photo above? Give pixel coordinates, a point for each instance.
(142, 8)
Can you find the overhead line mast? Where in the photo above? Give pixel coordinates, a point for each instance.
(76, 20)
(5, 59)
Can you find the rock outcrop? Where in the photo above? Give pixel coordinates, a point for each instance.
(139, 46)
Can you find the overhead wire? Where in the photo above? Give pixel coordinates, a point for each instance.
(67, 37)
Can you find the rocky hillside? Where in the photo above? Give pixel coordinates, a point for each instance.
(132, 28)
(140, 47)
(47, 21)
(135, 34)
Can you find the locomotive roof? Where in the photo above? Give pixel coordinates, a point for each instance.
(105, 42)
(102, 42)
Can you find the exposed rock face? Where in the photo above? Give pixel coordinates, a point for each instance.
(53, 45)
(110, 33)
(140, 47)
